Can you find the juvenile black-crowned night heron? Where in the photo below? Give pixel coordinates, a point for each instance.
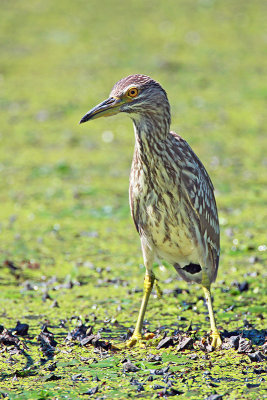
(171, 195)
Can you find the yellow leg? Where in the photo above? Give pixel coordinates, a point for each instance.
(215, 335)
(216, 339)
(137, 335)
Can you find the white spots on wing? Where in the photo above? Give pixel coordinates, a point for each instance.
(189, 174)
(209, 240)
(214, 224)
(150, 211)
(189, 164)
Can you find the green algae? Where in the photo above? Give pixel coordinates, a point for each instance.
(64, 215)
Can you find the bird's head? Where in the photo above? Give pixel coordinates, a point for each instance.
(137, 95)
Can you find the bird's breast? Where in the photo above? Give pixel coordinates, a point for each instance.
(158, 214)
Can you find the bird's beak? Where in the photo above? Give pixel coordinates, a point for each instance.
(108, 107)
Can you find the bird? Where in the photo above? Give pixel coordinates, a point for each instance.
(171, 195)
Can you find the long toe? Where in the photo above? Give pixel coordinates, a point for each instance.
(139, 340)
(135, 340)
(216, 340)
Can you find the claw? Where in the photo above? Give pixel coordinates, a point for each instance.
(135, 341)
(216, 339)
(139, 340)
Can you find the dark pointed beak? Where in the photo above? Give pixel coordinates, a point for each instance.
(108, 107)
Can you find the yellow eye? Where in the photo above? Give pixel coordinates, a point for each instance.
(133, 92)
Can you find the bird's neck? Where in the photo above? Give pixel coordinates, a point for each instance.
(151, 132)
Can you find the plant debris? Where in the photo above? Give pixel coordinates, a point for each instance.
(169, 392)
(245, 346)
(165, 343)
(8, 339)
(185, 343)
(83, 334)
(257, 357)
(21, 329)
(91, 391)
(52, 377)
(155, 358)
(129, 367)
(48, 343)
(214, 397)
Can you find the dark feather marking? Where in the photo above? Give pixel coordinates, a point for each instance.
(190, 268)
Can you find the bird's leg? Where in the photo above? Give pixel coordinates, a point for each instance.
(215, 335)
(148, 286)
(137, 335)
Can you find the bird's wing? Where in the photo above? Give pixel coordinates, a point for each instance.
(199, 191)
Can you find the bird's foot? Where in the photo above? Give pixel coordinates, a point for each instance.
(216, 340)
(139, 340)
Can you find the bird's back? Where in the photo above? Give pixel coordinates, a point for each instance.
(173, 206)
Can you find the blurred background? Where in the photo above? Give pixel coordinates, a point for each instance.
(69, 252)
(64, 187)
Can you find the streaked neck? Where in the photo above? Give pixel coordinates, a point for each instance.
(150, 135)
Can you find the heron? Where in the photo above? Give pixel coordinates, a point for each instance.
(171, 195)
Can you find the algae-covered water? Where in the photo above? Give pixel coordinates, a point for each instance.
(70, 259)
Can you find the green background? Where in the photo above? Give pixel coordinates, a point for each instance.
(64, 188)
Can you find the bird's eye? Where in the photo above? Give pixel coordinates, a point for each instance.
(133, 92)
